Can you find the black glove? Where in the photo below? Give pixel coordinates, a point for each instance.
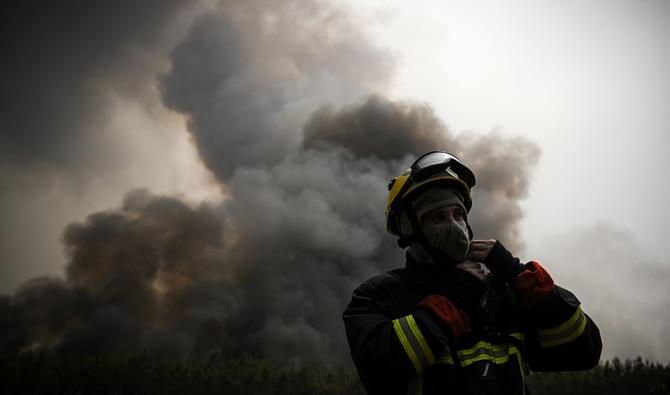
(502, 264)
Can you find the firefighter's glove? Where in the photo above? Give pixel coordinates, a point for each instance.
(502, 264)
(461, 289)
(458, 302)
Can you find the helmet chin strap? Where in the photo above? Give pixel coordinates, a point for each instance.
(418, 236)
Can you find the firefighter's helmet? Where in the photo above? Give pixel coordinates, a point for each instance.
(435, 167)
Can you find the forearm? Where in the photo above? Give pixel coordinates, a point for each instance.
(559, 335)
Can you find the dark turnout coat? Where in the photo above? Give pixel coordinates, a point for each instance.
(400, 346)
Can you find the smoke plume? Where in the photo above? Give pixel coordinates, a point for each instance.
(79, 114)
(389, 130)
(150, 274)
(248, 74)
(626, 294)
(62, 55)
(285, 106)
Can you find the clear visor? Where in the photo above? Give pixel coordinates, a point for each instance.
(439, 161)
(431, 159)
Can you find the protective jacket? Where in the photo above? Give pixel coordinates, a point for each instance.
(415, 330)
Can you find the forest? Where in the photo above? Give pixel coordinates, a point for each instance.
(151, 373)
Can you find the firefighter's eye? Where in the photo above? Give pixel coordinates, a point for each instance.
(439, 217)
(436, 217)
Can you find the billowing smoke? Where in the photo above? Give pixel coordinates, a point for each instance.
(60, 55)
(79, 114)
(379, 128)
(389, 130)
(248, 74)
(149, 274)
(285, 106)
(626, 294)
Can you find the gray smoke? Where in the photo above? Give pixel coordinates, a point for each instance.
(378, 127)
(150, 274)
(69, 140)
(503, 168)
(389, 130)
(626, 293)
(284, 108)
(60, 58)
(249, 73)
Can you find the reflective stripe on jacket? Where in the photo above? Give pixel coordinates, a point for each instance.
(400, 348)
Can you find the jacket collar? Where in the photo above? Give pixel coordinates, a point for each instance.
(425, 277)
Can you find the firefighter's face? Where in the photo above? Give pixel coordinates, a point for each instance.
(444, 216)
(446, 229)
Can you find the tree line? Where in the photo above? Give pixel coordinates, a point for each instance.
(150, 373)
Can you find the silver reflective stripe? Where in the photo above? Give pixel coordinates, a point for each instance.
(565, 333)
(499, 354)
(483, 351)
(415, 343)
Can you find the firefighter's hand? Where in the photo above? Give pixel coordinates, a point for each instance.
(502, 264)
(472, 267)
(480, 249)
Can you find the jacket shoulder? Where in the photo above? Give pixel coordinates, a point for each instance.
(382, 293)
(390, 279)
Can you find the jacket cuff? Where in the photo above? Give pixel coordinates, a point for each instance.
(502, 263)
(533, 285)
(438, 311)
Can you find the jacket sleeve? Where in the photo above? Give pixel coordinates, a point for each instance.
(559, 335)
(387, 347)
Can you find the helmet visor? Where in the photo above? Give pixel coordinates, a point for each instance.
(439, 161)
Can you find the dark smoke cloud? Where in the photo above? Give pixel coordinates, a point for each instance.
(150, 274)
(58, 57)
(249, 73)
(391, 130)
(378, 127)
(69, 141)
(503, 167)
(268, 92)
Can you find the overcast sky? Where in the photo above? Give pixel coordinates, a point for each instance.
(586, 82)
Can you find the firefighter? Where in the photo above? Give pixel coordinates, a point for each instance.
(463, 316)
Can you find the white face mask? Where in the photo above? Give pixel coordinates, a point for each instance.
(452, 239)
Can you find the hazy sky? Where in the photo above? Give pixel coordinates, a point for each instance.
(585, 82)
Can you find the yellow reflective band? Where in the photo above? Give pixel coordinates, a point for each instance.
(482, 351)
(408, 348)
(518, 335)
(563, 326)
(499, 354)
(522, 367)
(413, 342)
(422, 341)
(566, 332)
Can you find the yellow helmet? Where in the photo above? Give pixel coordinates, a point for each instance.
(430, 169)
